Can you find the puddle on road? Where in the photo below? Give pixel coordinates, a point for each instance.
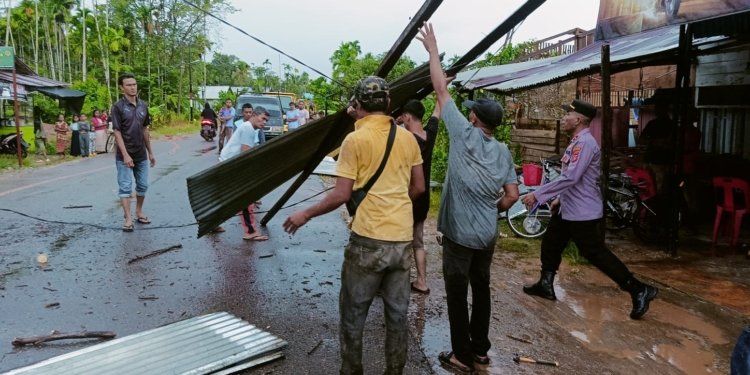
(689, 356)
(680, 337)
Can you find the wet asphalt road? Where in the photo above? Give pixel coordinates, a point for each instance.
(289, 285)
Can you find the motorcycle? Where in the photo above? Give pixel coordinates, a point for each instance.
(208, 130)
(8, 145)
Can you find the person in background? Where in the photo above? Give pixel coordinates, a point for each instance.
(92, 139)
(100, 130)
(84, 128)
(479, 183)
(378, 255)
(130, 122)
(304, 114)
(243, 140)
(411, 117)
(292, 117)
(226, 123)
(40, 136)
(75, 139)
(61, 136)
(208, 113)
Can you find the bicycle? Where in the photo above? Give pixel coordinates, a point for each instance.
(532, 223)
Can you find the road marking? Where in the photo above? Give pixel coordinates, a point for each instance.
(53, 180)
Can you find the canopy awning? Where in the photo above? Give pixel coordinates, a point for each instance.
(60, 92)
(654, 47)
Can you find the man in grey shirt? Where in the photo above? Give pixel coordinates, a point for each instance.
(479, 168)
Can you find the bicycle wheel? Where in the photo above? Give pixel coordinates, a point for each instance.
(527, 225)
(110, 145)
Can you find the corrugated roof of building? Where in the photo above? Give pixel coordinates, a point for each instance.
(31, 81)
(653, 47)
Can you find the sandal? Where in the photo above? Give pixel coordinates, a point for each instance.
(128, 228)
(143, 220)
(420, 291)
(259, 237)
(481, 359)
(455, 367)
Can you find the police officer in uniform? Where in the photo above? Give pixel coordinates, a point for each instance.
(580, 214)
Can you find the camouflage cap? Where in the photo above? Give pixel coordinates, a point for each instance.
(371, 89)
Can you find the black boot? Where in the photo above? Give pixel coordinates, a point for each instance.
(543, 288)
(642, 295)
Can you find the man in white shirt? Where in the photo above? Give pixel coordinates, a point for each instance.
(243, 139)
(304, 114)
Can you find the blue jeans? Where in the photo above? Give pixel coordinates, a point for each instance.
(463, 266)
(84, 138)
(371, 265)
(125, 178)
(741, 354)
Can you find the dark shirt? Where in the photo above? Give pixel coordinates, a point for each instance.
(131, 120)
(657, 135)
(422, 203)
(84, 127)
(209, 114)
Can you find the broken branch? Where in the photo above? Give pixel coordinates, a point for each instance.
(155, 253)
(54, 335)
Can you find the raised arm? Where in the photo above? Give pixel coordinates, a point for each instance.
(437, 76)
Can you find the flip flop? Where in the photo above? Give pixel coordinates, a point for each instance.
(260, 237)
(420, 291)
(458, 368)
(143, 220)
(127, 228)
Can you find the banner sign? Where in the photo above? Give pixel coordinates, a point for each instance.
(7, 58)
(6, 91)
(625, 17)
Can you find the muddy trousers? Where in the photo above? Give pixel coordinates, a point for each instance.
(587, 237)
(463, 266)
(247, 219)
(371, 265)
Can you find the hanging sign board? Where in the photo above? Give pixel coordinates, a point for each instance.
(7, 58)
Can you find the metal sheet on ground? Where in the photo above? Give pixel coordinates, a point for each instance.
(208, 344)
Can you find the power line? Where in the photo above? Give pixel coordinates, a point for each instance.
(142, 228)
(264, 43)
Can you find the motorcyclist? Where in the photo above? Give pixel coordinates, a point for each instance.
(208, 116)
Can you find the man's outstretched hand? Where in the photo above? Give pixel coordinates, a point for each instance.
(427, 37)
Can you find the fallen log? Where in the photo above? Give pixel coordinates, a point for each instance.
(55, 335)
(155, 253)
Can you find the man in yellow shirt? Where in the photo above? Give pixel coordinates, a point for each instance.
(378, 255)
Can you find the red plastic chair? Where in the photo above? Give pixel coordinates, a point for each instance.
(732, 198)
(642, 178)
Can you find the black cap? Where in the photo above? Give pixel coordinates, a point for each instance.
(585, 108)
(488, 111)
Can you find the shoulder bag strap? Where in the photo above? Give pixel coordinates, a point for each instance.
(388, 147)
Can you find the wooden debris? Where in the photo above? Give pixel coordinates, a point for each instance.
(84, 206)
(311, 351)
(520, 339)
(52, 305)
(265, 256)
(523, 359)
(55, 335)
(155, 253)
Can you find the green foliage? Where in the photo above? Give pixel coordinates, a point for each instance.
(97, 96)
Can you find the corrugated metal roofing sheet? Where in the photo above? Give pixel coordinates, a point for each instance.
(468, 79)
(656, 46)
(31, 81)
(636, 46)
(217, 343)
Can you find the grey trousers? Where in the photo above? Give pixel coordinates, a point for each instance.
(371, 265)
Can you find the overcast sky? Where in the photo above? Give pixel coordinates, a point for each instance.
(312, 30)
